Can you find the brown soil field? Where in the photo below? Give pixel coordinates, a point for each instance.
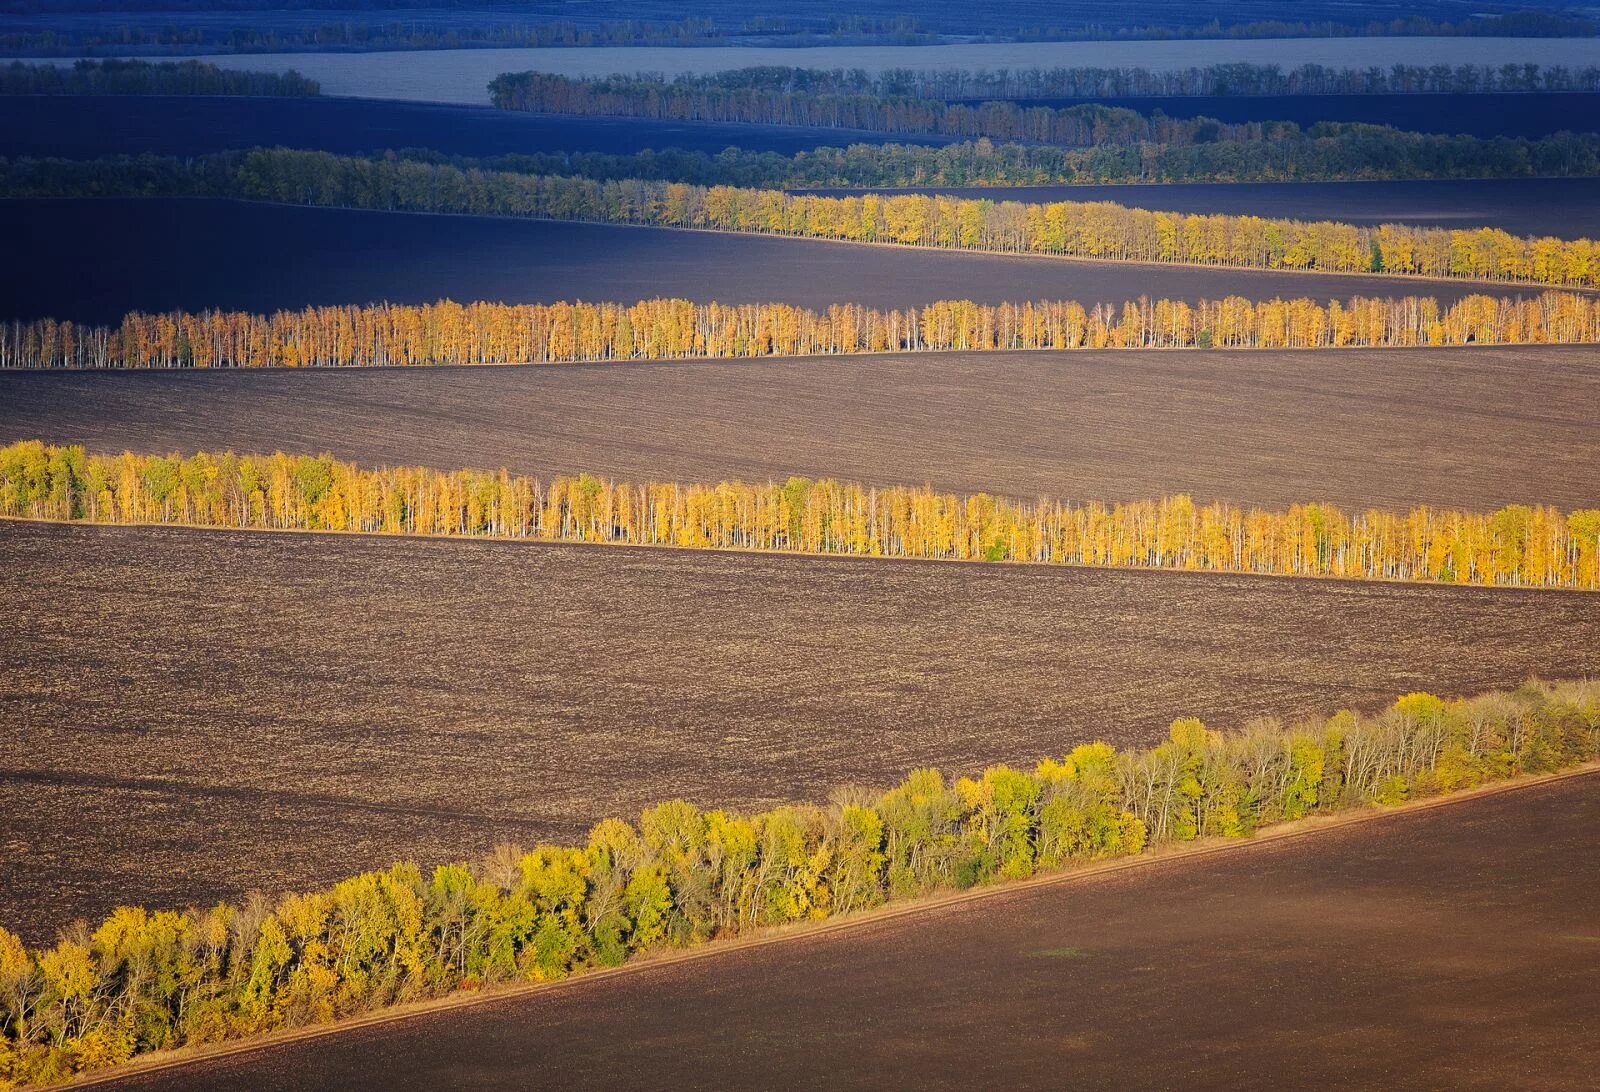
(193, 714)
(1470, 428)
(154, 254)
(1453, 947)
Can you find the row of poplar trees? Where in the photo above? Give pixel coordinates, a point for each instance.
(1520, 545)
(384, 335)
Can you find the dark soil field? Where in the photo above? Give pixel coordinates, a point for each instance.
(95, 260)
(1468, 428)
(1455, 947)
(193, 714)
(1565, 207)
(85, 126)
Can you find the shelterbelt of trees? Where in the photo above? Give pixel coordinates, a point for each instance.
(389, 335)
(1328, 151)
(707, 99)
(1098, 229)
(113, 77)
(1231, 78)
(1518, 546)
(145, 980)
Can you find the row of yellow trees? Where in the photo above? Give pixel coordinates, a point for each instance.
(1518, 545)
(493, 333)
(145, 981)
(1093, 229)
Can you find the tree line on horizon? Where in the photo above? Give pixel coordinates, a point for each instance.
(131, 77)
(450, 333)
(1229, 78)
(899, 29)
(149, 980)
(708, 99)
(1075, 229)
(1326, 152)
(1516, 546)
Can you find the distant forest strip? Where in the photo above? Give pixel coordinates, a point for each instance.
(378, 33)
(1517, 546)
(1080, 125)
(144, 981)
(781, 91)
(1327, 152)
(1099, 229)
(449, 333)
(146, 78)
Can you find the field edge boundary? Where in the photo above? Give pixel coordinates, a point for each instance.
(804, 555)
(1280, 833)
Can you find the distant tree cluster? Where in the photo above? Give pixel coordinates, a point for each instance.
(355, 35)
(103, 35)
(388, 335)
(149, 78)
(1517, 546)
(1082, 143)
(1328, 151)
(150, 980)
(772, 93)
(381, 32)
(1085, 124)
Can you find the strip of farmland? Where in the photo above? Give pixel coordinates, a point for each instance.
(1473, 428)
(199, 714)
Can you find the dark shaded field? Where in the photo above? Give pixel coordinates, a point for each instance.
(1468, 428)
(193, 714)
(1565, 207)
(95, 260)
(85, 126)
(1450, 948)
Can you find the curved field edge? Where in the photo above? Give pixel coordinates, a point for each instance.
(1163, 856)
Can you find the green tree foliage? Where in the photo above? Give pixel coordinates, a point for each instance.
(116, 77)
(906, 102)
(461, 31)
(145, 981)
(776, 94)
(1520, 545)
